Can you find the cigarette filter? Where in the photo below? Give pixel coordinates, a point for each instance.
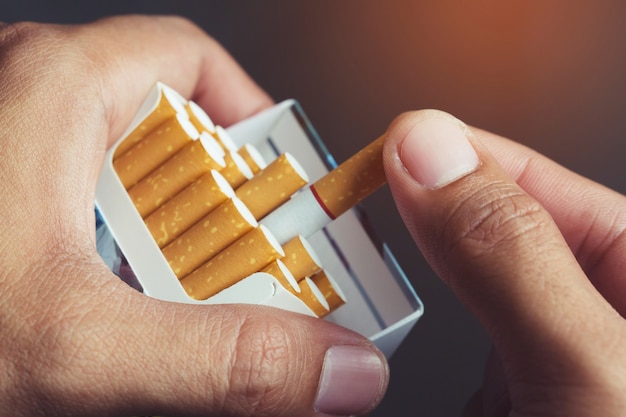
(273, 186)
(253, 158)
(224, 139)
(199, 118)
(282, 274)
(169, 104)
(209, 236)
(313, 297)
(187, 207)
(300, 258)
(193, 160)
(236, 170)
(157, 147)
(247, 255)
(330, 196)
(330, 289)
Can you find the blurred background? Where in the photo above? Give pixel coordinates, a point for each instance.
(549, 74)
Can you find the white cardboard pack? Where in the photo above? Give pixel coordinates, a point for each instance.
(381, 303)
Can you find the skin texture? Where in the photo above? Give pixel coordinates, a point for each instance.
(75, 340)
(537, 253)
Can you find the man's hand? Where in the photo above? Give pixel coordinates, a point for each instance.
(74, 339)
(536, 252)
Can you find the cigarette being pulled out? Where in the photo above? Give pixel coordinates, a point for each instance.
(330, 196)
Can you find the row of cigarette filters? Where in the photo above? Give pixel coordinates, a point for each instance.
(220, 213)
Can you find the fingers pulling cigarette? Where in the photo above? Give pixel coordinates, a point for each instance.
(330, 196)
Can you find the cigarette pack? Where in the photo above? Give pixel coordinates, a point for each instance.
(380, 302)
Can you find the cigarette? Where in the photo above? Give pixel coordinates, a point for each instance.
(330, 289)
(187, 207)
(273, 186)
(224, 139)
(169, 104)
(247, 255)
(209, 236)
(236, 170)
(199, 118)
(313, 297)
(330, 196)
(157, 147)
(193, 160)
(278, 270)
(253, 158)
(300, 258)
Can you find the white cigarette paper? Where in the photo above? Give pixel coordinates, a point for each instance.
(330, 196)
(300, 215)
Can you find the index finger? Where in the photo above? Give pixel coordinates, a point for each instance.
(591, 217)
(137, 51)
(496, 246)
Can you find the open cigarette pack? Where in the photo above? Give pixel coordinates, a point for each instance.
(190, 212)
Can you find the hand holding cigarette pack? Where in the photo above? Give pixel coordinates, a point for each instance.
(257, 213)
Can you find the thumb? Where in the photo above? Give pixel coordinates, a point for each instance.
(241, 360)
(494, 245)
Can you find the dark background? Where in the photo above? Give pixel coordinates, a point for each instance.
(549, 74)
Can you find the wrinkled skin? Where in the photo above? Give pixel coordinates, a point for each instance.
(538, 254)
(74, 339)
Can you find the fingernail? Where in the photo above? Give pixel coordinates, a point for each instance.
(436, 152)
(353, 380)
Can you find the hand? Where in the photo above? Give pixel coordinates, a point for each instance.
(536, 252)
(74, 339)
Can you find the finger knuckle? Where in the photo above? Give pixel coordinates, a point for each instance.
(262, 368)
(19, 32)
(34, 53)
(25, 40)
(494, 218)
